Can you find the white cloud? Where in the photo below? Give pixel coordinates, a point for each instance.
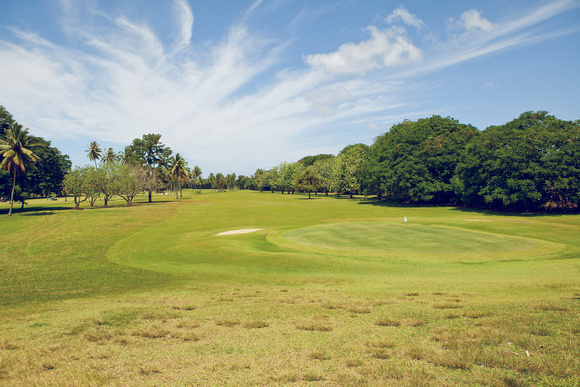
(472, 20)
(382, 49)
(401, 13)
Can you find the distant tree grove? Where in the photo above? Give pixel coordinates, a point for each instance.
(531, 163)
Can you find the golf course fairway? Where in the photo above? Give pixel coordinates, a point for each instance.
(250, 288)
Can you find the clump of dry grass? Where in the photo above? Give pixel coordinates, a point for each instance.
(359, 309)
(224, 322)
(314, 325)
(255, 324)
(387, 322)
(190, 336)
(475, 314)
(413, 322)
(446, 305)
(351, 363)
(152, 332)
(98, 334)
(186, 307)
(312, 377)
(9, 345)
(551, 308)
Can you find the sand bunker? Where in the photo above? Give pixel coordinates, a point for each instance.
(245, 231)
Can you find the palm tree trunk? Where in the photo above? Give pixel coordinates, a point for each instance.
(12, 193)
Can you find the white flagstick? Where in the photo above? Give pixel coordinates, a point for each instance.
(404, 228)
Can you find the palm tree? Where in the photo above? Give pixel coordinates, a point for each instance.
(179, 172)
(17, 148)
(196, 175)
(109, 157)
(94, 152)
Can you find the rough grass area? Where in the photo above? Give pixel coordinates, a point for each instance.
(150, 295)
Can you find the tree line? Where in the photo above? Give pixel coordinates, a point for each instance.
(528, 164)
(531, 163)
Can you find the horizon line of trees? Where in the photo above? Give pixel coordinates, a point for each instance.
(531, 163)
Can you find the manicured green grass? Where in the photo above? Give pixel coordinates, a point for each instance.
(329, 291)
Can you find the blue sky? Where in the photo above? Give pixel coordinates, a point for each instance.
(239, 85)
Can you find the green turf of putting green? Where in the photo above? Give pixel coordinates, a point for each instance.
(398, 237)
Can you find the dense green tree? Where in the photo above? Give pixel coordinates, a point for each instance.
(530, 163)
(257, 179)
(220, 181)
(285, 176)
(149, 152)
(310, 160)
(230, 180)
(17, 149)
(243, 182)
(324, 168)
(47, 176)
(347, 169)
(415, 161)
(308, 181)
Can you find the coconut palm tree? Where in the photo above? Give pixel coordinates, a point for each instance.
(94, 152)
(179, 172)
(17, 150)
(109, 157)
(196, 174)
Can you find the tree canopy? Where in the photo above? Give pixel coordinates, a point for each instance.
(415, 161)
(530, 163)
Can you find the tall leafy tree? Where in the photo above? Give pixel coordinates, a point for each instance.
(18, 153)
(149, 152)
(47, 176)
(324, 167)
(347, 168)
(308, 181)
(94, 152)
(530, 163)
(415, 161)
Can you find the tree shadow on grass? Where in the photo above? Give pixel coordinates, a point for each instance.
(33, 211)
(466, 210)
